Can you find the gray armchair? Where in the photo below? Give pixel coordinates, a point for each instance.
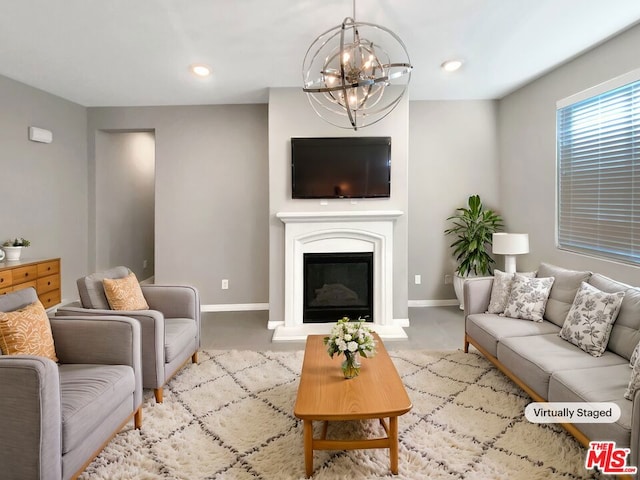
(57, 417)
(170, 328)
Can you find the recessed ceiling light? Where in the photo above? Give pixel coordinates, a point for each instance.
(200, 70)
(451, 65)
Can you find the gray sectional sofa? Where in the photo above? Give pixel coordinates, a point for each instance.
(552, 369)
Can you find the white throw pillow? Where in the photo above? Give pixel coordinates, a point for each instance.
(501, 289)
(528, 297)
(590, 319)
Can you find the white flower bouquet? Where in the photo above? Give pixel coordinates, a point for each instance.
(350, 338)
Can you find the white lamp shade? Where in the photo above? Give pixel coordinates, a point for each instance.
(510, 243)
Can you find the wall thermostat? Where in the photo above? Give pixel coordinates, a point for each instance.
(40, 135)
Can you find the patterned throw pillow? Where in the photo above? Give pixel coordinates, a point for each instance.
(634, 356)
(27, 331)
(501, 289)
(528, 297)
(590, 319)
(634, 381)
(124, 293)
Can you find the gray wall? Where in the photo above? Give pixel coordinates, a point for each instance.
(44, 186)
(452, 155)
(125, 199)
(527, 141)
(290, 115)
(211, 195)
(213, 208)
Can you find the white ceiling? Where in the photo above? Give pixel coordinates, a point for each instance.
(137, 52)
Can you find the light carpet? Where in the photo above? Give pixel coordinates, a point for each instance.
(231, 417)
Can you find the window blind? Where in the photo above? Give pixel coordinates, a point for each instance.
(598, 141)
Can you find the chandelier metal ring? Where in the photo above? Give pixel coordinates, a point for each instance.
(350, 79)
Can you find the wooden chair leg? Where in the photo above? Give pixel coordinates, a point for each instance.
(466, 344)
(137, 419)
(158, 394)
(194, 357)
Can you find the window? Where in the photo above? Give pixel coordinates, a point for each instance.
(599, 171)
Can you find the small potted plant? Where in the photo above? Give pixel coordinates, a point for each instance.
(13, 248)
(473, 229)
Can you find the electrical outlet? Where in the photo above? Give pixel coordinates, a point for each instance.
(448, 279)
(144, 264)
(418, 279)
(225, 284)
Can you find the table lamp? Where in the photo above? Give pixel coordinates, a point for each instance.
(510, 245)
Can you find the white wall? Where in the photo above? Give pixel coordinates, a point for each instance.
(452, 155)
(290, 115)
(527, 143)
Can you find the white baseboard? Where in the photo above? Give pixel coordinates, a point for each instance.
(433, 303)
(234, 307)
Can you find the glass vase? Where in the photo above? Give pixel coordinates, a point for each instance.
(351, 365)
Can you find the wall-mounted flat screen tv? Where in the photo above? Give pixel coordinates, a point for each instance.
(342, 167)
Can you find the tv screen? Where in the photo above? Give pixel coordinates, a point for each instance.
(343, 167)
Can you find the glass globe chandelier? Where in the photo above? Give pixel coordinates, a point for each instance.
(348, 74)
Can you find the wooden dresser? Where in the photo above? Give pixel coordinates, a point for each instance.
(43, 275)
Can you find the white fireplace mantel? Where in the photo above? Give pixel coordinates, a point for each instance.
(336, 232)
(347, 216)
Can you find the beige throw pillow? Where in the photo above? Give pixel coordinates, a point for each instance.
(27, 331)
(124, 293)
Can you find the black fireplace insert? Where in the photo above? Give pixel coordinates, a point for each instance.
(338, 285)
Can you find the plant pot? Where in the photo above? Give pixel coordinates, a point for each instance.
(12, 253)
(458, 286)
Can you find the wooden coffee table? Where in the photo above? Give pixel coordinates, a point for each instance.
(324, 394)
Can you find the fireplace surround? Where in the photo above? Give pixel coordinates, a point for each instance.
(338, 232)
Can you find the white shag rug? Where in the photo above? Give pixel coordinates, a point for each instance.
(231, 417)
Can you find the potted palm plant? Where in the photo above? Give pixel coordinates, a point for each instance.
(473, 227)
(13, 248)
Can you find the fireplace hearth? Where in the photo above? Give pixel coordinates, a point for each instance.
(338, 285)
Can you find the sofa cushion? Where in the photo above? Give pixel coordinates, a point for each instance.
(88, 394)
(488, 329)
(27, 331)
(528, 297)
(597, 384)
(563, 291)
(589, 322)
(178, 334)
(124, 293)
(534, 358)
(91, 289)
(625, 333)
